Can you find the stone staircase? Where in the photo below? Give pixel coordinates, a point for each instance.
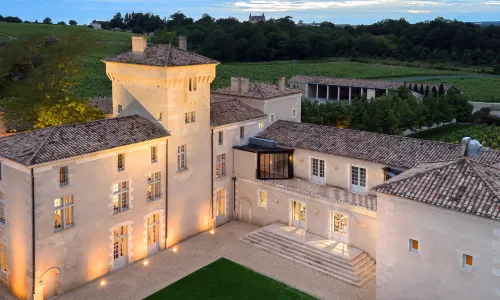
(355, 270)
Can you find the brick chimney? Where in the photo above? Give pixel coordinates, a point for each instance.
(281, 84)
(183, 43)
(139, 44)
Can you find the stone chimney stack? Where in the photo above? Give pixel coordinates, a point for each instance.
(464, 144)
(139, 44)
(183, 43)
(244, 85)
(281, 84)
(235, 84)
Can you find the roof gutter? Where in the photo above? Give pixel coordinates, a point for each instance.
(33, 230)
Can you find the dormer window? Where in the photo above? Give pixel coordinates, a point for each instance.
(193, 86)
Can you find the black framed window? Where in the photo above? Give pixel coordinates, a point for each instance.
(274, 165)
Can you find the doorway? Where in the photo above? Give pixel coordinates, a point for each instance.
(153, 233)
(317, 171)
(340, 227)
(120, 258)
(51, 284)
(299, 214)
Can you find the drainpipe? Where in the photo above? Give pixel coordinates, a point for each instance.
(234, 195)
(33, 229)
(212, 179)
(166, 193)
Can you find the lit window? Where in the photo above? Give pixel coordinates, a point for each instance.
(220, 202)
(181, 157)
(160, 115)
(120, 197)
(63, 176)
(242, 133)
(220, 165)
(262, 199)
(340, 224)
(294, 113)
(154, 186)
(467, 261)
(153, 226)
(3, 259)
(154, 154)
(193, 116)
(413, 246)
(2, 208)
(190, 117)
(121, 162)
(119, 243)
(261, 125)
(221, 138)
(63, 212)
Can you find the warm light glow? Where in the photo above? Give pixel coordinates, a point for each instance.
(212, 231)
(103, 282)
(175, 249)
(145, 262)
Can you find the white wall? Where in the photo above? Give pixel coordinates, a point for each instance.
(444, 235)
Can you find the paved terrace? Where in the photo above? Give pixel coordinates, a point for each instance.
(137, 281)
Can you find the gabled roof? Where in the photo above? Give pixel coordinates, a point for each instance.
(364, 83)
(259, 90)
(232, 111)
(390, 150)
(463, 185)
(59, 142)
(162, 56)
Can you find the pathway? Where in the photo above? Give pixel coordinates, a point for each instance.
(138, 281)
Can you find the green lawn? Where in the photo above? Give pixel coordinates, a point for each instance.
(477, 89)
(436, 134)
(224, 279)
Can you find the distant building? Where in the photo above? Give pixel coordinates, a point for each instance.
(96, 25)
(256, 19)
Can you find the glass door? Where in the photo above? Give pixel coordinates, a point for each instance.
(298, 214)
(153, 234)
(317, 171)
(120, 247)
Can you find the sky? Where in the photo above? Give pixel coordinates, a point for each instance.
(335, 11)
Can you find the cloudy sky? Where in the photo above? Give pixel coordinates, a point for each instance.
(339, 11)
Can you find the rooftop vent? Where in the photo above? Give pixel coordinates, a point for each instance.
(470, 147)
(262, 142)
(240, 85)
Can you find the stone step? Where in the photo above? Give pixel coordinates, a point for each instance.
(319, 252)
(340, 265)
(269, 249)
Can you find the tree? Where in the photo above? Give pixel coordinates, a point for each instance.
(421, 90)
(2, 19)
(441, 92)
(47, 21)
(415, 88)
(37, 76)
(137, 30)
(163, 36)
(73, 23)
(426, 91)
(434, 92)
(10, 19)
(61, 23)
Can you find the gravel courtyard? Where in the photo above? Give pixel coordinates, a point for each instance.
(138, 281)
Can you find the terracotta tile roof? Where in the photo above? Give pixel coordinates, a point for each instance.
(232, 111)
(106, 105)
(259, 90)
(463, 185)
(364, 83)
(162, 56)
(59, 142)
(390, 150)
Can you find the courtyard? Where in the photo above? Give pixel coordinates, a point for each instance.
(273, 274)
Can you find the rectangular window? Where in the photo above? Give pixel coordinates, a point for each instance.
(3, 258)
(242, 133)
(413, 246)
(154, 154)
(120, 197)
(262, 199)
(63, 176)
(153, 232)
(273, 117)
(294, 112)
(220, 165)
(181, 157)
(220, 202)
(160, 115)
(221, 138)
(468, 261)
(274, 166)
(63, 212)
(120, 242)
(339, 224)
(120, 108)
(192, 84)
(2, 208)
(358, 179)
(154, 186)
(190, 117)
(261, 125)
(193, 116)
(121, 162)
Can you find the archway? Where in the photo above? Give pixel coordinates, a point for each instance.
(51, 283)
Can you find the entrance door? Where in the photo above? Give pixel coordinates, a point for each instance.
(317, 171)
(50, 284)
(358, 180)
(153, 234)
(120, 247)
(340, 224)
(298, 214)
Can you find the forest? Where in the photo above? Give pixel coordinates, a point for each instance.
(228, 39)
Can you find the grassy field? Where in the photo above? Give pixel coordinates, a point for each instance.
(270, 71)
(477, 89)
(224, 279)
